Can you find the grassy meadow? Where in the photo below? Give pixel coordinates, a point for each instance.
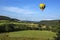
(30, 35)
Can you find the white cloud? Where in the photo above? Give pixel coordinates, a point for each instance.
(18, 10)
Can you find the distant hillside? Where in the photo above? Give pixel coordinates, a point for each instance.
(50, 22)
(16, 20)
(8, 18)
(4, 18)
(46, 22)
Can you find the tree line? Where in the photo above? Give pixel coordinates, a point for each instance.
(9, 27)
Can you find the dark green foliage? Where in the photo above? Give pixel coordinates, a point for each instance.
(58, 35)
(39, 27)
(6, 27)
(58, 32)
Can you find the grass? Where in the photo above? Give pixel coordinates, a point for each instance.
(28, 35)
(43, 35)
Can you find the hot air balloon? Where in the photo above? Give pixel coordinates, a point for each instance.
(42, 6)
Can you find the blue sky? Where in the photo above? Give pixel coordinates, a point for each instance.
(29, 9)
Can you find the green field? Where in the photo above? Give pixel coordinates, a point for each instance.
(32, 35)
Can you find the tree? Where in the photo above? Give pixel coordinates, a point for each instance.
(58, 35)
(58, 32)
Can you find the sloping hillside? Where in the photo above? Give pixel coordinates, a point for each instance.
(50, 22)
(8, 18)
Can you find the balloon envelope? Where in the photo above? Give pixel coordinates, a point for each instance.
(42, 6)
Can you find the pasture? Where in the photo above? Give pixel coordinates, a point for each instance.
(30, 35)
